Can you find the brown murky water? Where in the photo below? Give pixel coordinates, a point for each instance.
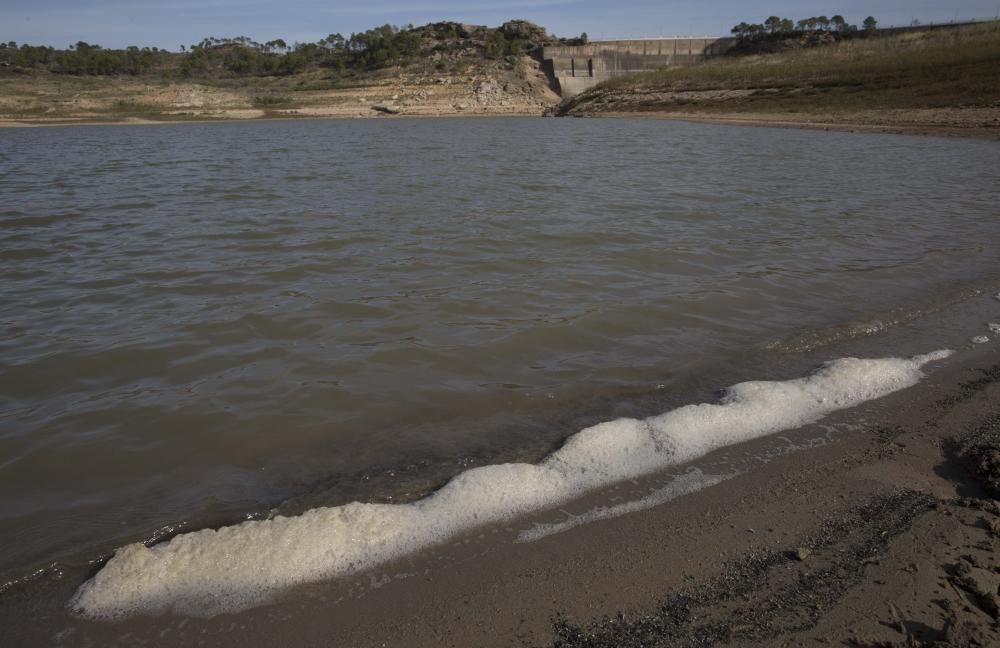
(202, 321)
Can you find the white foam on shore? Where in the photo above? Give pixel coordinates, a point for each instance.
(209, 572)
(686, 484)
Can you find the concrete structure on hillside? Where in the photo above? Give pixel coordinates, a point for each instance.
(578, 67)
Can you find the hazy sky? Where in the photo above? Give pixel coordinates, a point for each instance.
(167, 24)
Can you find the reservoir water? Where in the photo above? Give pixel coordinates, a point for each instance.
(201, 322)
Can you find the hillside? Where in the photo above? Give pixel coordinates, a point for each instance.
(438, 69)
(940, 80)
(932, 80)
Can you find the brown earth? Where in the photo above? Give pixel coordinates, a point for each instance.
(955, 122)
(739, 106)
(50, 100)
(42, 98)
(887, 536)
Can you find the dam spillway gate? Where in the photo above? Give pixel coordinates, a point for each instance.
(579, 67)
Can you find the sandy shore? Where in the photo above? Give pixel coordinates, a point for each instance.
(881, 536)
(860, 540)
(975, 123)
(876, 526)
(294, 115)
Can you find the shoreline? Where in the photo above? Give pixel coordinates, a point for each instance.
(14, 123)
(855, 539)
(857, 124)
(799, 488)
(854, 529)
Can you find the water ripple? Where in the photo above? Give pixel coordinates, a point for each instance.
(215, 311)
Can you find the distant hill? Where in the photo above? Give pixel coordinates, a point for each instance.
(440, 44)
(438, 69)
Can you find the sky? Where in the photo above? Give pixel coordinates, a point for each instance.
(170, 23)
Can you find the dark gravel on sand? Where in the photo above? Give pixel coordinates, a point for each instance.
(979, 451)
(763, 595)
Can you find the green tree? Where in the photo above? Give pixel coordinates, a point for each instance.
(334, 42)
(870, 24)
(291, 63)
(496, 46)
(194, 63)
(383, 45)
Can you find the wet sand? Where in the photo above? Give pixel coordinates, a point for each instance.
(858, 541)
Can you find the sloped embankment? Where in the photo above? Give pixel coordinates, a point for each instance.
(944, 80)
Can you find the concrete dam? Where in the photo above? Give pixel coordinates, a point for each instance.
(578, 67)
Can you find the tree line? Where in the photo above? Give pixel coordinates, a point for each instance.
(84, 58)
(242, 56)
(785, 27)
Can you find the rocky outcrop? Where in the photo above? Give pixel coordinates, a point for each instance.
(524, 30)
(387, 109)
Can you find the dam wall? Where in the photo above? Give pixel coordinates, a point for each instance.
(578, 67)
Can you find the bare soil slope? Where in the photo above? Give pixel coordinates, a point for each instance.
(479, 89)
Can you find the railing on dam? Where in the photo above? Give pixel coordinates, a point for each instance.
(578, 67)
